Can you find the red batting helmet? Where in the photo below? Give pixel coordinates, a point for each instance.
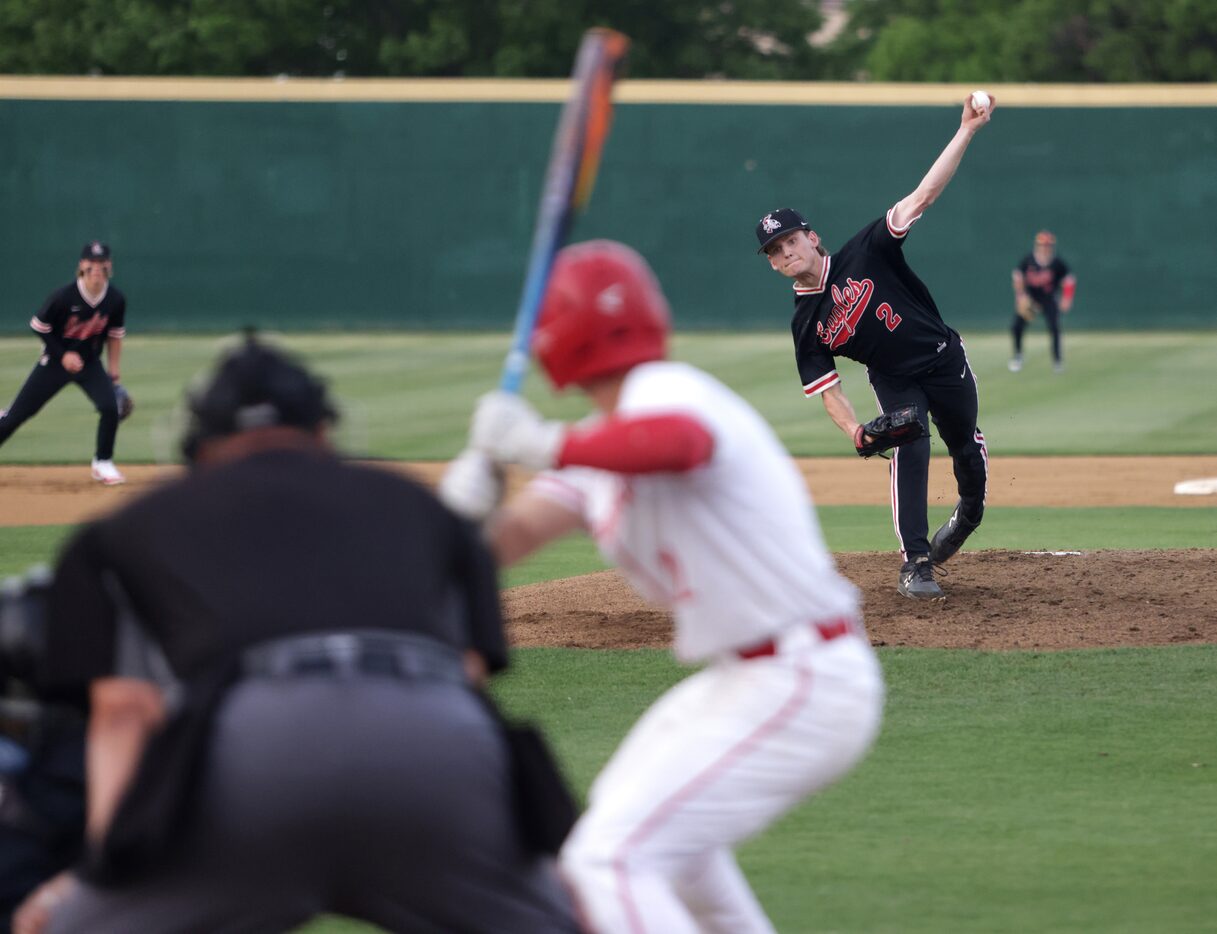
(603, 312)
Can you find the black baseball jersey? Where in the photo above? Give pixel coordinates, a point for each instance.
(276, 544)
(1042, 282)
(68, 322)
(869, 306)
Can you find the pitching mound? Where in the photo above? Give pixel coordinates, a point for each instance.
(995, 600)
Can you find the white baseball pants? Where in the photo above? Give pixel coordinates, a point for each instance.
(714, 761)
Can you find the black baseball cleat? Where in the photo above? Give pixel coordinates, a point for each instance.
(950, 538)
(917, 580)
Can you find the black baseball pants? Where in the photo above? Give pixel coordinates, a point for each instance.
(46, 379)
(947, 393)
(1052, 317)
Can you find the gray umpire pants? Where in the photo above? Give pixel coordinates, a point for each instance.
(380, 799)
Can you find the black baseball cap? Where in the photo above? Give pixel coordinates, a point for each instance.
(255, 385)
(95, 250)
(776, 223)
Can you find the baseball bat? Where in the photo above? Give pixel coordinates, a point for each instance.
(573, 162)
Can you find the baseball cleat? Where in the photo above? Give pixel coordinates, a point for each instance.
(105, 472)
(1015, 364)
(951, 536)
(917, 580)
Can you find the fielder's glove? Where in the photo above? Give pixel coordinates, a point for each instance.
(510, 431)
(126, 405)
(472, 486)
(1023, 308)
(889, 430)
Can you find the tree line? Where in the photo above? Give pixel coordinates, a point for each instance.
(979, 41)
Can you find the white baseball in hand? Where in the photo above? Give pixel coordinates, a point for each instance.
(980, 101)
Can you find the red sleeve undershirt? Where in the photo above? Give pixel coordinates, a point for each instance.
(639, 444)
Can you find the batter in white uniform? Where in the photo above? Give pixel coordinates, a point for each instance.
(688, 491)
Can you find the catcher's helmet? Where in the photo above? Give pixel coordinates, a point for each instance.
(254, 386)
(603, 312)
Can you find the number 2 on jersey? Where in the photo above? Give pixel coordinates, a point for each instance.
(885, 314)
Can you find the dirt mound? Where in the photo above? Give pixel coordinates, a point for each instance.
(995, 600)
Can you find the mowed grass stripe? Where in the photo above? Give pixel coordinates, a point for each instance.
(409, 396)
(846, 529)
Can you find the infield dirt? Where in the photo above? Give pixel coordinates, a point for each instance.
(995, 599)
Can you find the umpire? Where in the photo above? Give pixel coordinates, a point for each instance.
(329, 625)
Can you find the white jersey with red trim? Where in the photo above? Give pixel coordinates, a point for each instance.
(733, 547)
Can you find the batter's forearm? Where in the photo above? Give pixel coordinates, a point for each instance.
(526, 523)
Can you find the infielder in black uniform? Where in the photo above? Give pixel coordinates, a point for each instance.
(1037, 279)
(73, 323)
(329, 626)
(865, 303)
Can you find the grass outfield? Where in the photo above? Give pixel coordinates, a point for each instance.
(409, 395)
(846, 529)
(1008, 792)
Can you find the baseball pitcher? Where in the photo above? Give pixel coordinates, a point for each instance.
(864, 302)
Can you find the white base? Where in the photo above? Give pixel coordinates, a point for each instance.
(1197, 487)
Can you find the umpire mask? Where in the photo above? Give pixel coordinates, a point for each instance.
(254, 386)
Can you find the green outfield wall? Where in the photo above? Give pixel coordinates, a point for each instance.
(374, 206)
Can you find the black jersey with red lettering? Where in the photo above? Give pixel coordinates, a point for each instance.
(1042, 282)
(67, 322)
(869, 306)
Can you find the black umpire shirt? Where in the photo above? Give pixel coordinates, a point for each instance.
(68, 322)
(277, 544)
(868, 306)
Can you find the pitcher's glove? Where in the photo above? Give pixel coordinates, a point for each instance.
(126, 405)
(889, 430)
